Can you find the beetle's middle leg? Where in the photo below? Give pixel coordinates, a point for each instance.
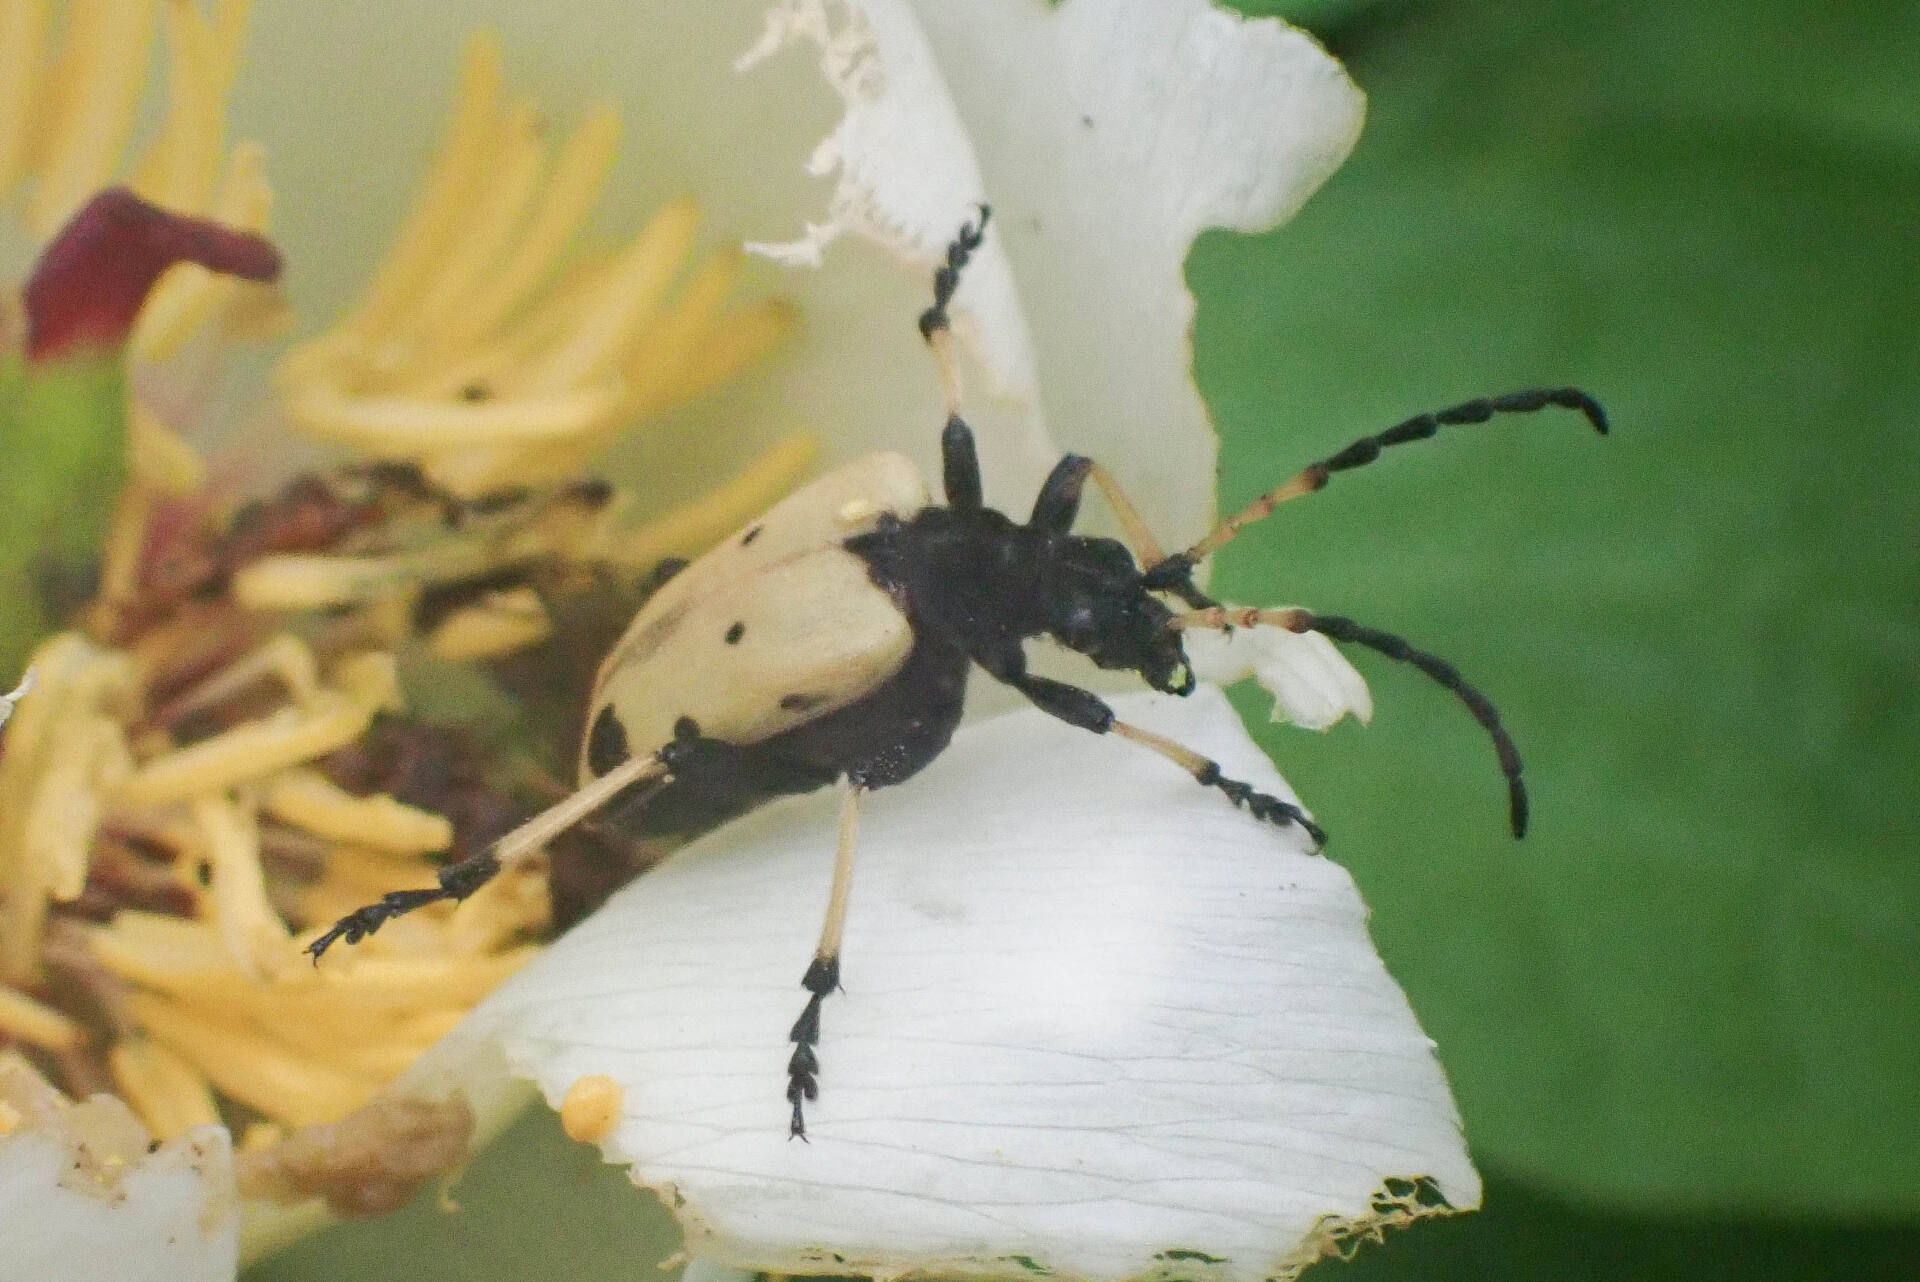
(823, 973)
(1089, 711)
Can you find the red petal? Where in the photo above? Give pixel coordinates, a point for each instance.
(89, 285)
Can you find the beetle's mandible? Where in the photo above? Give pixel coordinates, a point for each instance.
(830, 642)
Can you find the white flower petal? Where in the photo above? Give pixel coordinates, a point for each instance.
(1107, 134)
(1311, 682)
(81, 1199)
(1094, 1018)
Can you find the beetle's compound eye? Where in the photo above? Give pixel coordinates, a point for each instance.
(606, 742)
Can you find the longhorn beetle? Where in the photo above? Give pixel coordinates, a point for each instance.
(830, 642)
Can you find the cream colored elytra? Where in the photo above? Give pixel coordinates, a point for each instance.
(813, 632)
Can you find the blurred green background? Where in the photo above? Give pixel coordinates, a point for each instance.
(1683, 1017)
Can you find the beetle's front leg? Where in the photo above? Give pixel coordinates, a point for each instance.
(1089, 711)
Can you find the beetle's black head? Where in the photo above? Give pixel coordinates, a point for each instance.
(1097, 604)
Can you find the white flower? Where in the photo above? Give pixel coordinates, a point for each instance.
(1097, 1021)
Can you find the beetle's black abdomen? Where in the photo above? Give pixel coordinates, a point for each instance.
(888, 736)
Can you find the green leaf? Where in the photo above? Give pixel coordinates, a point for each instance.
(1697, 983)
(62, 456)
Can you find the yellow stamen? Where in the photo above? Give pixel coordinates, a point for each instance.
(245, 1066)
(562, 525)
(654, 368)
(36, 1024)
(23, 35)
(158, 455)
(507, 909)
(692, 529)
(73, 681)
(621, 307)
(735, 342)
(567, 196)
(285, 658)
(460, 165)
(95, 87)
(179, 168)
(332, 719)
(500, 623)
(86, 758)
(256, 939)
(489, 220)
(393, 427)
(308, 799)
(261, 1136)
(169, 1094)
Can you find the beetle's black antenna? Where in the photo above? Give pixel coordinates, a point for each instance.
(1172, 571)
(457, 881)
(1343, 629)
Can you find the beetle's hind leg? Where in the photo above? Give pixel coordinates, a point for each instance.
(823, 972)
(457, 881)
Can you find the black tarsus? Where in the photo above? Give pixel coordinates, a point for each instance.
(1343, 629)
(803, 1068)
(457, 881)
(1421, 426)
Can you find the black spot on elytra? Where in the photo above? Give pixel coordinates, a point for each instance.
(735, 632)
(606, 742)
(473, 392)
(800, 702)
(750, 536)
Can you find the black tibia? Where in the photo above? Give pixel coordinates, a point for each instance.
(457, 881)
(1421, 426)
(803, 1067)
(1446, 674)
(946, 278)
(961, 465)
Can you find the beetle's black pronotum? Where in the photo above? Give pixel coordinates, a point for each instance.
(830, 641)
